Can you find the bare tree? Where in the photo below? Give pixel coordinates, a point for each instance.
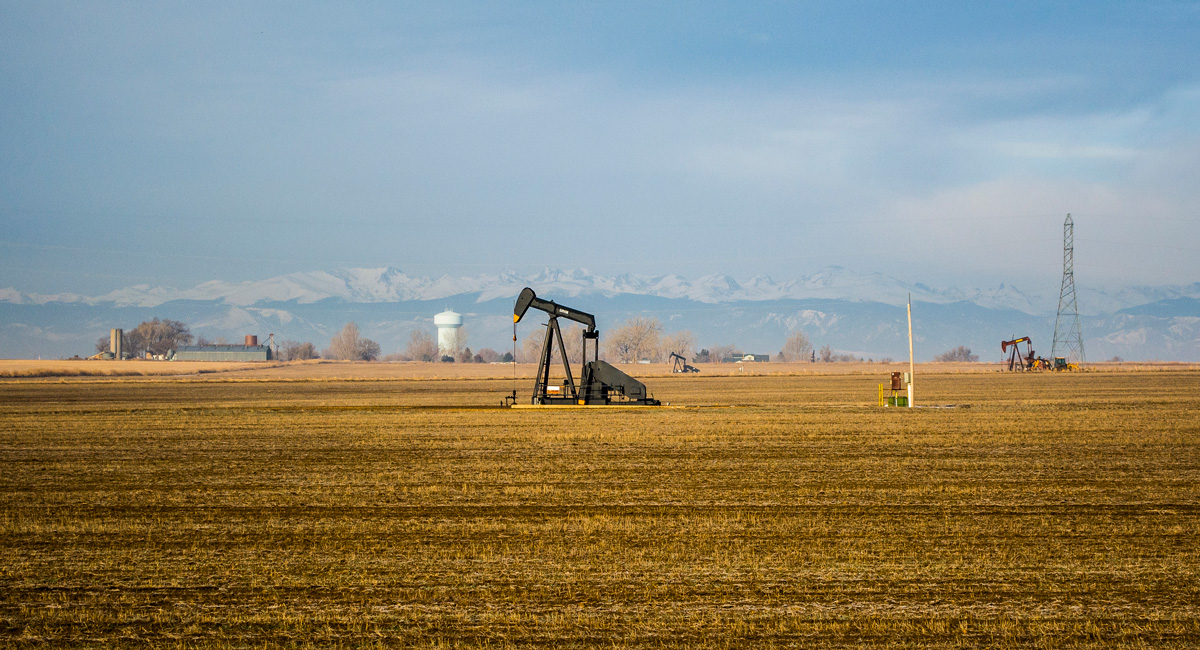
(637, 339)
(572, 337)
(796, 348)
(573, 340)
(531, 347)
(421, 347)
(960, 353)
(718, 353)
(344, 345)
(368, 350)
(826, 355)
(459, 343)
(682, 343)
(156, 337)
(348, 345)
(488, 355)
(297, 351)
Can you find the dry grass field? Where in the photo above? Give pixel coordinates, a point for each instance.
(283, 508)
(326, 370)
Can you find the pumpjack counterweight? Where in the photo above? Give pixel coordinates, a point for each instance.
(600, 382)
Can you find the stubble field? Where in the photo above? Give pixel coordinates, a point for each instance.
(1050, 510)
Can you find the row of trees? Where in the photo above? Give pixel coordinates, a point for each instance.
(643, 338)
(350, 345)
(639, 338)
(297, 351)
(347, 345)
(422, 347)
(958, 354)
(158, 337)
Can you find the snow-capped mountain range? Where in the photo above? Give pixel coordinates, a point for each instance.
(387, 285)
(836, 304)
(392, 285)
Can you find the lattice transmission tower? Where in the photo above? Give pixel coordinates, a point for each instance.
(1068, 335)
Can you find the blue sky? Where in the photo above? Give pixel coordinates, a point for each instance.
(944, 143)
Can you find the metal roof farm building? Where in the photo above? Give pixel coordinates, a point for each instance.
(250, 351)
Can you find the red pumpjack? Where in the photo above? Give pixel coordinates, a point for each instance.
(1030, 361)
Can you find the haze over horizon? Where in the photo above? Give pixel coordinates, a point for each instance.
(174, 144)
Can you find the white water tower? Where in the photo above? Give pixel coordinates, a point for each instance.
(448, 323)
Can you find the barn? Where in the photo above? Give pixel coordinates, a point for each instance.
(249, 351)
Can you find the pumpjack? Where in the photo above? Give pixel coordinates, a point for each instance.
(681, 364)
(1030, 361)
(600, 383)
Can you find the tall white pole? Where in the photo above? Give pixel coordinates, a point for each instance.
(911, 366)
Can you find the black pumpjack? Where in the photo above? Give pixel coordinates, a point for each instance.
(600, 384)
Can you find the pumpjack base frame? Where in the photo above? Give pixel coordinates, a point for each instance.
(568, 406)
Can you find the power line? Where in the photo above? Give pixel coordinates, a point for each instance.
(1068, 338)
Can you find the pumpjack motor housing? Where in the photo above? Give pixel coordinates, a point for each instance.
(600, 383)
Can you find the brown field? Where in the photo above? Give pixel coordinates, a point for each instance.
(363, 505)
(326, 370)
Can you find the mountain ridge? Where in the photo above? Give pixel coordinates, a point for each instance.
(389, 284)
(856, 313)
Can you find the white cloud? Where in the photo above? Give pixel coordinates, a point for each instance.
(510, 140)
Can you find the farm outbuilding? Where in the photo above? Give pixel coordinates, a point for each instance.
(224, 352)
(738, 357)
